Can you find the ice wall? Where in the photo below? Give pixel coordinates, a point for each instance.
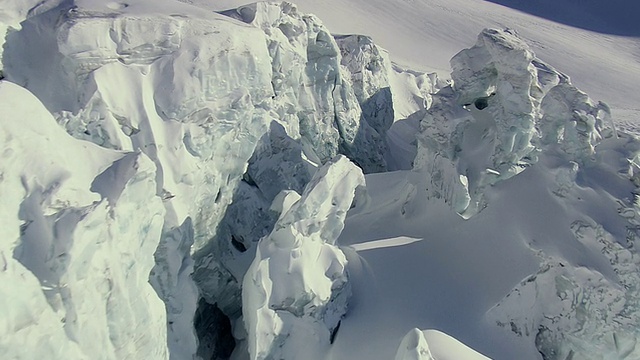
(211, 101)
(313, 95)
(502, 110)
(80, 225)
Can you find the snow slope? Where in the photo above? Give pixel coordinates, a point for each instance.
(548, 189)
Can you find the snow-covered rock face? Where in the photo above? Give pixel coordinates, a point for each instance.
(504, 107)
(297, 289)
(80, 225)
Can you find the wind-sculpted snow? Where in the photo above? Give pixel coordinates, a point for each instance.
(80, 225)
(433, 344)
(507, 112)
(210, 126)
(297, 289)
(414, 347)
(574, 309)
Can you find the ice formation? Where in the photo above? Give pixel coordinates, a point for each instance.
(503, 108)
(199, 206)
(81, 224)
(297, 289)
(433, 344)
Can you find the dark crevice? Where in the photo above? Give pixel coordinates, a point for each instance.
(238, 244)
(214, 332)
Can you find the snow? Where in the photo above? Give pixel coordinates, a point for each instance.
(204, 196)
(297, 289)
(69, 281)
(415, 346)
(580, 38)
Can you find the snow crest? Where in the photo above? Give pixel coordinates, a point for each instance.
(414, 347)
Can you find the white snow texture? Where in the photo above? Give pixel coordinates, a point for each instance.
(158, 154)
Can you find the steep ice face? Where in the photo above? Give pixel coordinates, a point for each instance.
(503, 109)
(185, 87)
(506, 112)
(572, 120)
(188, 88)
(180, 84)
(278, 163)
(370, 69)
(314, 97)
(80, 226)
(296, 290)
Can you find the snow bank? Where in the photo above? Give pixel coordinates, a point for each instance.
(296, 289)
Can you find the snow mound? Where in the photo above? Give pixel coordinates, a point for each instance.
(297, 289)
(432, 345)
(414, 347)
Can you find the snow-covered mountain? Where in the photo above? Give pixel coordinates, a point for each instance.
(180, 180)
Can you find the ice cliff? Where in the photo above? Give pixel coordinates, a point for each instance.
(502, 110)
(174, 180)
(80, 226)
(187, 87)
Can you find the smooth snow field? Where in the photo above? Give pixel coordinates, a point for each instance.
(325, 180)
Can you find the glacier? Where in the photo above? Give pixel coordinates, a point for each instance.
(180, 182)
(82, 223)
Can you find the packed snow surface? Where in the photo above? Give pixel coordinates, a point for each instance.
(190, 179)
